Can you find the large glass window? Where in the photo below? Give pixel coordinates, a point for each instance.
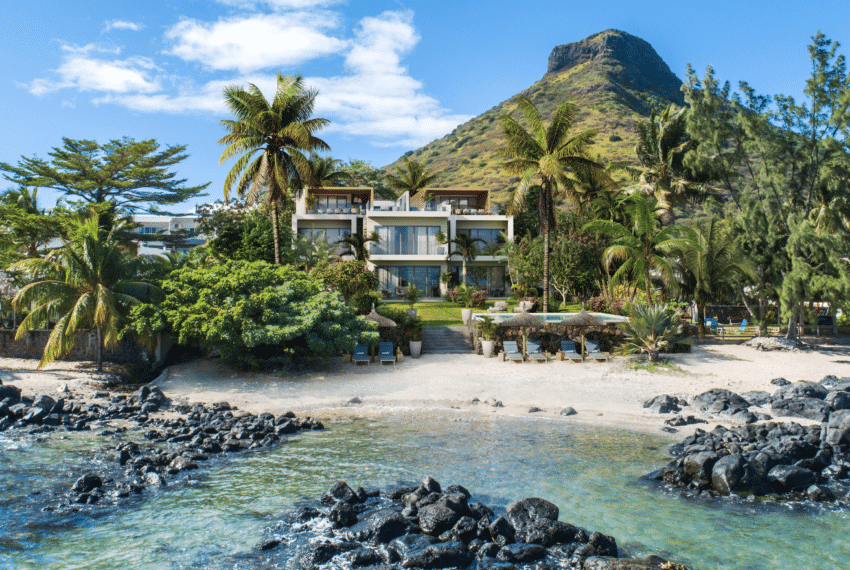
(332, 202)
(332, 235)
(492, 241)
(395, 279)
(489, 277)
(407, 240)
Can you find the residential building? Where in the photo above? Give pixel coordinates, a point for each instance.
(179, 229)
(408, 251)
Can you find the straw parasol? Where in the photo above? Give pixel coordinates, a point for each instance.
(524, 321)
(583, 319)
(380, 319)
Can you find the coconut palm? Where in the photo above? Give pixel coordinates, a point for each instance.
(324, 171)
(712, 263)
(410, 179)
(357, 244)
(548, 153)
(651, 330)
(86, 284)
(279, 130)
(464, 246)
(641, 245)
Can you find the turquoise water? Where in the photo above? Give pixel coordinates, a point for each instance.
(591, 474)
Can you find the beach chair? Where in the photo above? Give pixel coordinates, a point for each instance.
(743, 325)
(568, 352)
(591, 348)
(385, 351)
(511, 352)
(532, 350)
(361, 354)
(715, 327)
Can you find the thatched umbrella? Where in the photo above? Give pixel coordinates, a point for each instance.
(381, 320)
(583, 319)
(524, 321)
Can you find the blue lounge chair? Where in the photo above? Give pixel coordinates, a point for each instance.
(361, 354)
(715, 327)
(568, 352)
(743, 325)
(511, 351)
(385, 350)
(592, 349)
(532, 350)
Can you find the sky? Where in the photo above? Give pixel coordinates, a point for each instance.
(392, 75)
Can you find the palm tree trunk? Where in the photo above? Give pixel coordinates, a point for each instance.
(546, 269)
(701, 321)
(647, 283)
(99, 351)
(276, 235)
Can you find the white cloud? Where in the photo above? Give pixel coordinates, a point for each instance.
(259, 41)
(85, 73)
(122, 25)
(279, 4)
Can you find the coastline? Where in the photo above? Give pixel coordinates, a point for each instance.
(602, 394)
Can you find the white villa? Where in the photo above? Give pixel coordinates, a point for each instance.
(408, 252)
(165, 226)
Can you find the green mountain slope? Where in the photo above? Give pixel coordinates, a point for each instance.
(614, 78)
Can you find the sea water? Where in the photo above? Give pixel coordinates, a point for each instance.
(592, 474)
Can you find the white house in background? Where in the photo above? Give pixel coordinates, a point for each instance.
(408, 252)
(166, 225)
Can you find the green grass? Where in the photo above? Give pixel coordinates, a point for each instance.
(659, 367)
(447, 314)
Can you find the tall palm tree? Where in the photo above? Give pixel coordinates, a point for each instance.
(357, 244)
(549, 153)
(642, 245)
(467, 248)
(712, 263)
(86, 284)
(279, 130)
(410, 179)
(324, 171)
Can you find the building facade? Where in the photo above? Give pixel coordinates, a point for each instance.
(409, 252)
(180, 231)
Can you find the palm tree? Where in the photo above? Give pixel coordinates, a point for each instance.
(313, 249)
(651, 330)
(548, 153)
(324, 171)
(279, 130)
(356, 243)
(712, 263)
(642, 244)
(410, 179)
(86, 284)
(464, 246)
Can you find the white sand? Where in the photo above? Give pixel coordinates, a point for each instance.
(608, 394)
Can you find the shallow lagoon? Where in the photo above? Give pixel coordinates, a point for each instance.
(591, 474)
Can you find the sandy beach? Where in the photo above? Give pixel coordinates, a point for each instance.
(609, 394)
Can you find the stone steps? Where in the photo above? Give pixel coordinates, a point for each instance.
(446, 340)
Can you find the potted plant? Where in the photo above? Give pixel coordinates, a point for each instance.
(446, 279)
(465, 298)
(311, 204)
(414, 331)
(412, 297)
(488, 330)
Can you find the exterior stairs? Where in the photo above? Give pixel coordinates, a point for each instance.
(446, 340)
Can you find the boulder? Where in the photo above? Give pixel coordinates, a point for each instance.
(831, 382)
(342, 514)
(717, 400)
(531, 512)
(44, 402)
(320, 552)
(181, 463)
(437, 518)
(757, 398)
(836, 431)
(11, 392)
(786, 478)
(568, 411)
(342, 492)
(442, 555)
(801, 407)
(733, 473)
(838, 400)
(698, 466)
(520, 552)
(502, 532)
(802, 389)
(663, 404)
(780, 382)
(87, 483)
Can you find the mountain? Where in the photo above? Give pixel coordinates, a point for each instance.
(614, 78)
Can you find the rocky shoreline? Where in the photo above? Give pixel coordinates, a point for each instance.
(161, 441)
(430, 526)
(765, 457)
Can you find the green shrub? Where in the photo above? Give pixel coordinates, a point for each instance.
(653, 330)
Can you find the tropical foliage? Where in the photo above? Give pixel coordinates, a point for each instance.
(652, 330)
(411, 178)
(348, 278)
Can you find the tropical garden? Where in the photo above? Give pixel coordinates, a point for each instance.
(736, 198)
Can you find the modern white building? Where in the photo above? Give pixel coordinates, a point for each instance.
(408, 252)
(167, 226)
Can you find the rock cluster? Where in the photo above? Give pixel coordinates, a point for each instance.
(174, 445)
(429, 526)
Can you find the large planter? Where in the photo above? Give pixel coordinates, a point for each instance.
(465, 315)
(415, 348)
(487, 348)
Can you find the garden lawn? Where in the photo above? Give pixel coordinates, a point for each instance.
(447, 314)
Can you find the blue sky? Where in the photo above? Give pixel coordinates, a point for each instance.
(392, 75)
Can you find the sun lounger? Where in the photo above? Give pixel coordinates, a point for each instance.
(532, 350)
(568, 352)
(743, 325)
(385, 350)
(511, 352)
(592, 349)
(361, 354)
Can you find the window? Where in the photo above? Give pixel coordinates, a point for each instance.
(332, 202)
(145, 230)
(490, 277)
(332, 235)
(395, 279)
(407, 240)
(491, 238)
